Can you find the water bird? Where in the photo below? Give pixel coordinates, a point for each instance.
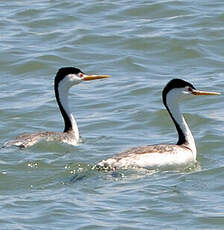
(163, 155)
(65, 78)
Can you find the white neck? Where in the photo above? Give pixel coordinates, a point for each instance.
(63, 89)
(173, 107)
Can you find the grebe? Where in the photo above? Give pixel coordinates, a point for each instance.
(65, 78)
(163, 155)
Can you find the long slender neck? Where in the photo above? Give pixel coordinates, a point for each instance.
(61, 93)
(185, 136)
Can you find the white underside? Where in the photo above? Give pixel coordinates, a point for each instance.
(176, 156)
(152, 160)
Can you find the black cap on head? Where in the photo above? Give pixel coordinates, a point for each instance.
(176, 83)
(62, 72)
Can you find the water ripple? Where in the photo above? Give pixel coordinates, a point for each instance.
(143, 46)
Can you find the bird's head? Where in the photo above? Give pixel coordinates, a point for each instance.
(179, 89)
(69, 76)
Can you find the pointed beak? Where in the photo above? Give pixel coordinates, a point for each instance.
(198, 93)
(94, 77)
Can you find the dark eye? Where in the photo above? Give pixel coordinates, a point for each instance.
(190, 89)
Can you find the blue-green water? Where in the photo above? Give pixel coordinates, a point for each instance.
(142, 45)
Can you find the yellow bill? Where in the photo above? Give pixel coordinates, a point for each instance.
(198, 92)
(94, 77)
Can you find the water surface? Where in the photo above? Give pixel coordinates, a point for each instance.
(142, 45)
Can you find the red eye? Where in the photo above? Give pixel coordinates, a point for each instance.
(80, 75)
(190, 89)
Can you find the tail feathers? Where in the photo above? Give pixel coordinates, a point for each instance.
(15, 143)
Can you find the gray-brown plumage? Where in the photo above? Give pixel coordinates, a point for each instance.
(163, 155)
(64, 80)
(27, 140)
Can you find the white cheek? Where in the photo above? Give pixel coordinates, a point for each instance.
(73, 79)
(186, 92)
(178, 94)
